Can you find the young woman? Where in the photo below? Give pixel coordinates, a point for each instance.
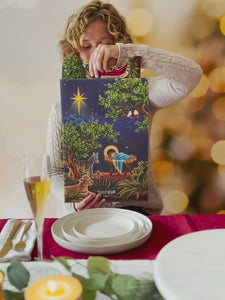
(98, 35)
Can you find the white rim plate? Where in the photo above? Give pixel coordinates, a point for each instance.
(102, 225)
(118, 229)
(140, 228)
(103, 246)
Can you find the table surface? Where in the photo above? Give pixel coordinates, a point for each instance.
(165, 229)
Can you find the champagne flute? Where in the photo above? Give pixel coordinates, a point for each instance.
(37, 182)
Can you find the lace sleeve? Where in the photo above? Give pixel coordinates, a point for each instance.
(176, 76)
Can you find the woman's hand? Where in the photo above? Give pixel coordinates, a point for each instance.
(104, 57)
(91, 201)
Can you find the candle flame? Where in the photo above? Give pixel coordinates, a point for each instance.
(53, 289)
(52, 286)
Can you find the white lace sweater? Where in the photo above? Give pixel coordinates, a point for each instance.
(176, 77)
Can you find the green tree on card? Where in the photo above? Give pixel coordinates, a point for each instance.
(80, 139)
(127, 98)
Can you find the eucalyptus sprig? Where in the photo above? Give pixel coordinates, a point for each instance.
(101, 279)
(19, 277)
(115, 286)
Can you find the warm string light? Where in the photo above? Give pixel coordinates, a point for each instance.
(217, 80)
(218, 152)
(175, 201)
(181, 148)
(163, 171)
(222, 25)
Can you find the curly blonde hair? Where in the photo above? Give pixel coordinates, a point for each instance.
(77, 24)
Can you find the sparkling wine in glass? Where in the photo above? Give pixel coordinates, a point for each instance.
(37, 182)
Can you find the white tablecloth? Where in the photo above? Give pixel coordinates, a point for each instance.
(141, 269)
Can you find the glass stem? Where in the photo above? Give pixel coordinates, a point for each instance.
(39, 232)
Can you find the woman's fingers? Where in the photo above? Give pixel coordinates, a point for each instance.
(91, 201)
(81, 205)
(100, 203)
(102, 58)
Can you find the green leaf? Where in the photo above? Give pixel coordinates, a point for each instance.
(148, 290)
(107, 290)
(18, 275)
(98, 264)
(9, 295)
(99, 280)
(86, 282)
(125, 286)
(62, 260)
(96, 282)
(88, 295)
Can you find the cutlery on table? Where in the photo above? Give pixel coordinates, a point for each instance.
(20, 246)
(8, 244)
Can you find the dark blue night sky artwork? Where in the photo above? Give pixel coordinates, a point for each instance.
(80, 104)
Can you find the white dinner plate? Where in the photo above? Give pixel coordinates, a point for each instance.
(192, 267)
(104, 246)
(101, 225)
(140, 229)
(104, 225)
(70, 236)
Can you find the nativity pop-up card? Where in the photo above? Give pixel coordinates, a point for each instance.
(105, 138)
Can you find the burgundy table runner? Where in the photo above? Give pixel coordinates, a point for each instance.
(165, 229)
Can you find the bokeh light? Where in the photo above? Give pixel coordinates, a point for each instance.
(221, 212)
(217, 80)
(163, 171)
(218, 109)
(176, 201)
(202, 87)
(163, 154)
(139, 22)
(222, 25)
(182, 148)
(218, 152)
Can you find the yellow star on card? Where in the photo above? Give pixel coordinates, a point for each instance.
(78, 99)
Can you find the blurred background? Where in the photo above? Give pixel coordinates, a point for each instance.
(188, 138)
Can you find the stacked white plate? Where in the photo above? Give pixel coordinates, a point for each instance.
(102, 230)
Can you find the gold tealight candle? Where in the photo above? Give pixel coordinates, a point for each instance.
(1, 289)
(56, 287)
